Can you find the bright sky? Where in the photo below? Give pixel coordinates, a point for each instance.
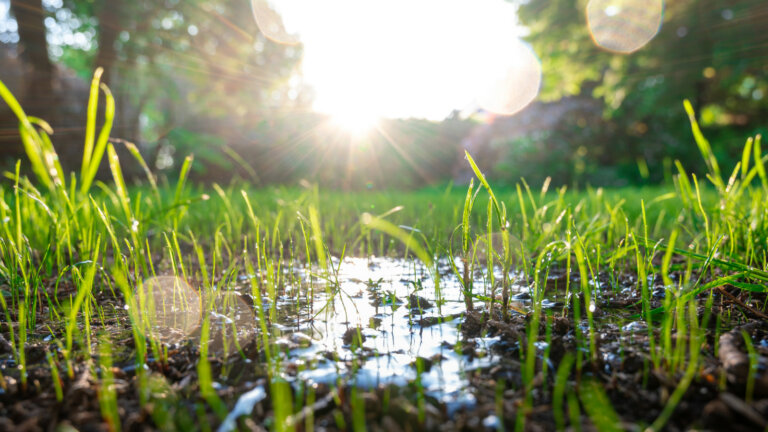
(402, 58)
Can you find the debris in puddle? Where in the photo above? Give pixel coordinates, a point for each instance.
(243, 407)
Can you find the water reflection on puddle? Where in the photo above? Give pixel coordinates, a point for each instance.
(374, 299)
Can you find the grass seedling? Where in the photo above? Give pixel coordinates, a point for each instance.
(753, 364)
(589, 301)
(574, 411)
(107, 392)
(85, 285)
(506, 252)
(282, 405)
(57, 385)
(645, 297)
(204, 374)
(558, 392)
(22, 316)
(696, 340)
(466, 243)
(358, 410)
(598, 407)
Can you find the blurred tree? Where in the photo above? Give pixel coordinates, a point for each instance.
(724, 35)
(110, 18)
(709, 51)
(39, 83)
(198, 77)
(398, 153)
(176, 68)
(197, 66)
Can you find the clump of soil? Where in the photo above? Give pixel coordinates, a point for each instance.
(418, 303)
(353, 336)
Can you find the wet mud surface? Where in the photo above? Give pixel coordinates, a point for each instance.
(379, 343)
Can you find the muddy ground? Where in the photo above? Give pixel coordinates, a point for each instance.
(478, 367)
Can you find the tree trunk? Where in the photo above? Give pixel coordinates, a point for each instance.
(110, 26)
(38, 97)
(39, 100)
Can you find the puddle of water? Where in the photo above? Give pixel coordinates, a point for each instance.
(381, 322)
(368, 335)
(375, 297)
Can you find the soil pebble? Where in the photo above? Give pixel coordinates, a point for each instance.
(472, 325)
(353, 336)
(418, 302)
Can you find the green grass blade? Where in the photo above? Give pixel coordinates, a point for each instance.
(29, 136)
(117, 175)
(759, 162)
(317, 235)
(406, 238)
(487, 186)
(98, 152)
(185, 167)
(90, 125)
(465, 226)
(31, 141)
(704, 147)
(134, 151)
(599, 408)
(745, 154)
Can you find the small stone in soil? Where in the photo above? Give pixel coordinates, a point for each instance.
(522, 296)
(472, 325)
(353, 336)
(417, 302)
(426, 364)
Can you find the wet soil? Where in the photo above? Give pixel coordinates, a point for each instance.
(382, 340)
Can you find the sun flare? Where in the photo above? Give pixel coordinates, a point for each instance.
(356, 123)
(432, 62)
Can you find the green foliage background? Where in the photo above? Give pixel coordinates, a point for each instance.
(198, 77)
(712, 52)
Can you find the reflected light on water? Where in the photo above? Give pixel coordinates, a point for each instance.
(624, 26)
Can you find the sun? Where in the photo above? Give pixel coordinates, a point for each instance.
(358, 123)
(432, 62)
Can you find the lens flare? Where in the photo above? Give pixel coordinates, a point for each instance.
(270, 21)
(168, 308)
(624, 26)
(511, 88)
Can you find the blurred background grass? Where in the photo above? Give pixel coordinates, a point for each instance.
(199, 77)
